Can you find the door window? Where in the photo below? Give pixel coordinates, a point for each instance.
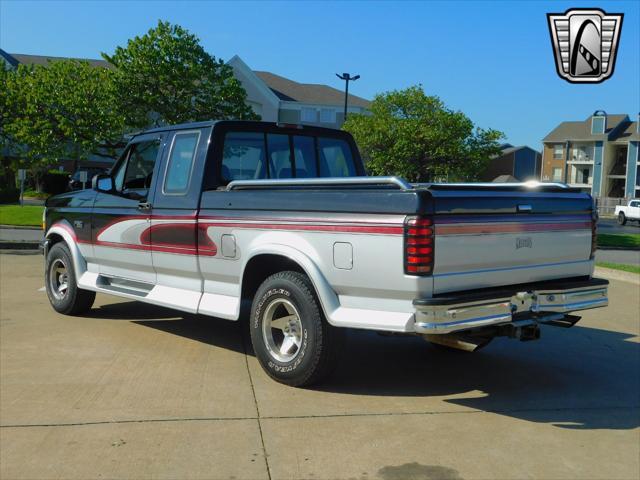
(138, 168)
(183, 152)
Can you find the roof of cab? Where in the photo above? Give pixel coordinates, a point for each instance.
(211, 123)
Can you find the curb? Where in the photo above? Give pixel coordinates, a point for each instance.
(619, 275)
(19, 227)
(628, 249)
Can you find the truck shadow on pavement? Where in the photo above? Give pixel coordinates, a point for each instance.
(578, 378)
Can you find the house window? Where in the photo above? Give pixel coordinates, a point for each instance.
(327, 115)
(308, 114)
(558, 152)
(557, 174)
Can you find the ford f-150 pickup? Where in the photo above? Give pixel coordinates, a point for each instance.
(210, 217)
(628, 212)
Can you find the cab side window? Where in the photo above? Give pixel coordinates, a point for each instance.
(183, 152)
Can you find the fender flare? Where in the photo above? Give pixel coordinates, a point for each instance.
(329, 301)
(65, 230)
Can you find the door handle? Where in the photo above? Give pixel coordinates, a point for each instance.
(144, 206)
(524, 208)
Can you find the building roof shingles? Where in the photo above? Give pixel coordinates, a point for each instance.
(582, 130)
(44, 60)
(284, 88)
(289, 90)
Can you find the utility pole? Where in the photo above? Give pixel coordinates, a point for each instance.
(347, 78)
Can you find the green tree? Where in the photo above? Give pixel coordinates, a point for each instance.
(413, 135)
(166, 77)
(63, 110)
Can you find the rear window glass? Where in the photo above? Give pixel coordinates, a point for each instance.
(254, 155)
(279, 156)
(183, 152)
(335, 158)
(243, 156)
(304, 154)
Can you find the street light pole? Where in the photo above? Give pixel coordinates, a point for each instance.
(347, 78)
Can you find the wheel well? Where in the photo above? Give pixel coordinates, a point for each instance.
(54, 238)
(262, 266)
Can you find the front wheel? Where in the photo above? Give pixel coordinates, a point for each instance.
(622, 220)
(292, 340)
(60, 282)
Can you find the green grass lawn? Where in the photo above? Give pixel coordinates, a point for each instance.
(24, 216)
(622, 240)
(620, 266)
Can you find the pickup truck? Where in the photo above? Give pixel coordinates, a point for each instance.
(279, 226)
(628, 212)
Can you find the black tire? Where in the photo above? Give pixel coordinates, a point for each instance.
(316, 356)
(59, 271)
(622, 219)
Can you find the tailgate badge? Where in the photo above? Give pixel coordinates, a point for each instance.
(523, 242)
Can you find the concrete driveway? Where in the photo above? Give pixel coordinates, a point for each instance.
(134, 391)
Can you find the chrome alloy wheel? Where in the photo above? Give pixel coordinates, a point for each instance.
(58, 279)
(282, 330)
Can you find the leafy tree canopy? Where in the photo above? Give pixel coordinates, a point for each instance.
(63, 110)
(413, 135)
(165, 76)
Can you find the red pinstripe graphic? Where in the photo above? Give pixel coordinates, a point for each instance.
(510, 228)
(371, 229)
(311, 220)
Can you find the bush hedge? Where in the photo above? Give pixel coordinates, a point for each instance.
(9, 194)
(55, 182)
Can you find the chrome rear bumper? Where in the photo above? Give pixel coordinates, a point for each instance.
(542, 302)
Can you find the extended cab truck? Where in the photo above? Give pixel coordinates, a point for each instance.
(207, 216)
(628, 212)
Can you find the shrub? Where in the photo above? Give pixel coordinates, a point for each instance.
(9, 194)
(55, 182)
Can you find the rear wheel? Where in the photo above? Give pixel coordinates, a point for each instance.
(622, 219)
(292, 340)
(60, 282)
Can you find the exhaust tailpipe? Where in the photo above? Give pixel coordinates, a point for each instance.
(459, 342)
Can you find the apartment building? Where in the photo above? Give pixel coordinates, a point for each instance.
(598, 155)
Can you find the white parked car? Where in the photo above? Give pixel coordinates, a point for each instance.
(628, 212)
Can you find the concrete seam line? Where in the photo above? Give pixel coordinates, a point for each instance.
(337, 415)
(255, 400)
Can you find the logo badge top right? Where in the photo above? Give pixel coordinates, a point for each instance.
(585, 43)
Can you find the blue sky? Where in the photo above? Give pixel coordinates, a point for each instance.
(492, 60)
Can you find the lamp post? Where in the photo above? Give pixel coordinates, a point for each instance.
(347, 78)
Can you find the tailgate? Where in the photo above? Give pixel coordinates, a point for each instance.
(491, 237)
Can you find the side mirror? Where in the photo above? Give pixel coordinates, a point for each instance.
(103, 183)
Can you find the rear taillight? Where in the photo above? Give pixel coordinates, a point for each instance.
(418, 246)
